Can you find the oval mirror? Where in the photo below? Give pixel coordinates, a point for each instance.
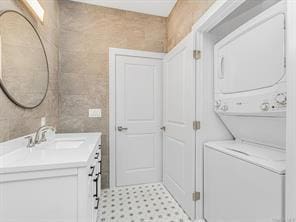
(24, 69)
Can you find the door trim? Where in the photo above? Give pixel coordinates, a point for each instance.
(113, 52)
(291, 117)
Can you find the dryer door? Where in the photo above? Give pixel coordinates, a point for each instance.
(253, 56)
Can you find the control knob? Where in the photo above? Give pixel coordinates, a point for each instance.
(264, 106)
(224, 108)
(281, 99)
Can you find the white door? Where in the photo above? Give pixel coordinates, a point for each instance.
(179, 114)
(138, 120)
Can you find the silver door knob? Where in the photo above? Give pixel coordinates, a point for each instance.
(120, 128)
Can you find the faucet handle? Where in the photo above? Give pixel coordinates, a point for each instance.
(41, 133)
(30, 141)
(44, 131)
(43, 137)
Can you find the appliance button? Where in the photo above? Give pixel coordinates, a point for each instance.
(264, 106)
(281, 99)
(217, 103)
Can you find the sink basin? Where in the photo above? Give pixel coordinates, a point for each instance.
(66, 144)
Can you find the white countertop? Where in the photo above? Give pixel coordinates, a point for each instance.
(18, 158)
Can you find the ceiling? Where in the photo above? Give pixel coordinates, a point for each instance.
(152, 7)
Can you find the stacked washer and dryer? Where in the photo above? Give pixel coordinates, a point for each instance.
(244, 179)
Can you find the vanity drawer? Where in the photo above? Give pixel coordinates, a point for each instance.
(98, 155)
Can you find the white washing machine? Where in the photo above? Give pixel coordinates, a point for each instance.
(244, 179)
(243, 182)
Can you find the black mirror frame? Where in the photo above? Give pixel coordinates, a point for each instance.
(2, 84)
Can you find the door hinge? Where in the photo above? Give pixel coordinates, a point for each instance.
(163, 128)
(196, 196)
(196, 54)
(196, 125)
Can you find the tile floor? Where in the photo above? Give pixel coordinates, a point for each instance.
(147, 203)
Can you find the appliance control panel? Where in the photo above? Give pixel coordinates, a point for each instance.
(266, 103)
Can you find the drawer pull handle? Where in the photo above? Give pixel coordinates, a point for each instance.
(92, 171)
(96, 183)
(97, 155)
(98, 202)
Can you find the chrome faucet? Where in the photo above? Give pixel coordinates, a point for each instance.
(41, 131)
(37, 139)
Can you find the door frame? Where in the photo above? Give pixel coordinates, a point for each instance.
(291, 110)
(218, 11)
(113, 52)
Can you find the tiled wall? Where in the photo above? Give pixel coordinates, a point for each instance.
(15, 121)
(77, 38)
(183, 16)
(86, 33)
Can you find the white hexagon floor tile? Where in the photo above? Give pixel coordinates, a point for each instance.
(141, 203)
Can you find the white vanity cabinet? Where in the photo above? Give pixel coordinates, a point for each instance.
(89, 187)
(69, 193)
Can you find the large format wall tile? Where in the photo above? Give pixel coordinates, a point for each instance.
(16, 121)
(182, 18)
(87, 33)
